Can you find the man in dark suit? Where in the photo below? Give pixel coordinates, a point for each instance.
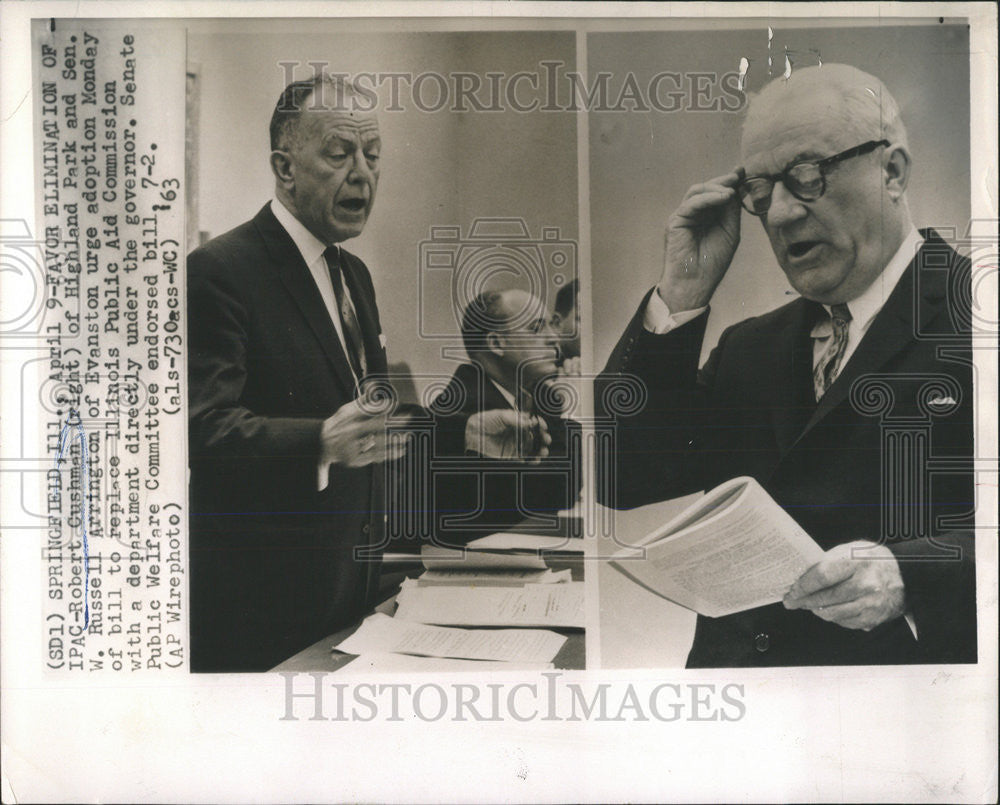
(287, 438)
(833, 402)
(513, 354)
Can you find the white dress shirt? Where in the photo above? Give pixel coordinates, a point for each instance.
(311, 248)
(659, 319)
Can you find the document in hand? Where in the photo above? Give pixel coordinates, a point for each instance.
(733, 549)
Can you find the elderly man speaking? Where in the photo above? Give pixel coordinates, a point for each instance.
(288, 501)
(825, 166)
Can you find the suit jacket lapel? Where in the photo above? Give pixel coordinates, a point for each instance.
(287, 262)
(788, 370)
(792, 372)
(890, 333)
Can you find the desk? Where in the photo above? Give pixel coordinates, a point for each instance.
(319, 657)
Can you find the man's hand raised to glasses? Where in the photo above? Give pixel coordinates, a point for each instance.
(701, 239)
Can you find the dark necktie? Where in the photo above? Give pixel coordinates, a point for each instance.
(829, 362)
(353, 340)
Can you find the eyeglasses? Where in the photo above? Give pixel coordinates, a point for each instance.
(804, 180)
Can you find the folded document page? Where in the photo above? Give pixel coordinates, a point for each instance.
(555, 605)
(379, 634)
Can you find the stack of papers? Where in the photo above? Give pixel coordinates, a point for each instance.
(380, 634)
(493, 578)
(552, 605)
(498, 581)
(527, 543)
(435, 558)
(394, 663)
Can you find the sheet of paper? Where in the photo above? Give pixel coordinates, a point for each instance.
(555, 605)
(437, 558)
(391, 663)
(633, 525)
(380, 634)
(745, 560)
(494, 578)
(507, 541)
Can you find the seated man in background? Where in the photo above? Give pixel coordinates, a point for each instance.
(513, 356)
(783, 398)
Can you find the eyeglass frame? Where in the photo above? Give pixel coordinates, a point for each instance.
(821, 165)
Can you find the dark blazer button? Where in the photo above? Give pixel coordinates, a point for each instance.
(762, 642)
(365, 529)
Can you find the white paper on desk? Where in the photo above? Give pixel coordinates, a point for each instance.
(435, 558)
(555, 605)
(389, 663)
(493, 578)
(380, 634)
(509, 541)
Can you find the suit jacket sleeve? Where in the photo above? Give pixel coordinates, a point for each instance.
(653, 398)
(219, 333)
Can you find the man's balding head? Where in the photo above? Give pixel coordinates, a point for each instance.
(507, 332)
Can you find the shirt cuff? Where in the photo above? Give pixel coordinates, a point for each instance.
(658, 319)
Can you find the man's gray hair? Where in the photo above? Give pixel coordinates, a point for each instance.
(320, 92)
(869, 110)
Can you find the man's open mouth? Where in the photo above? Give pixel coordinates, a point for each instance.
(352, 204)
(803, 247)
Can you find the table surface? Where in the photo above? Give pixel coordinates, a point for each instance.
(321, 657)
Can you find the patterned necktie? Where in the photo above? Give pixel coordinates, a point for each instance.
(354, 342)
(829, 362)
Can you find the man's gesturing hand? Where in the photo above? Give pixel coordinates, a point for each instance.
(858, 591)
(353, 437)
(701, 239)
(508, 434)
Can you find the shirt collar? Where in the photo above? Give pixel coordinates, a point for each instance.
(868, 304)
(310, 247)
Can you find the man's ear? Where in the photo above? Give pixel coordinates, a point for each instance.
(896, 170)
(494, 344)
(281, 167)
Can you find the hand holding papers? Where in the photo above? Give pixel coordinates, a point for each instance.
(733, 549)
